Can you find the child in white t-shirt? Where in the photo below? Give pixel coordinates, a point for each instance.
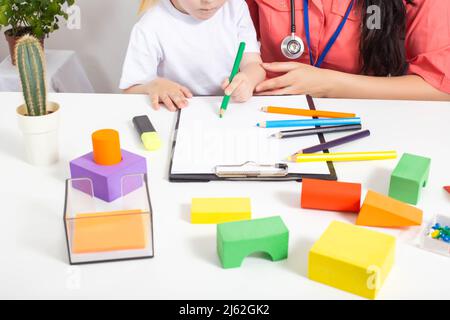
(181, 48)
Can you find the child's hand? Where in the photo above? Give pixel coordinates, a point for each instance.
(173, 95)
(240, 89)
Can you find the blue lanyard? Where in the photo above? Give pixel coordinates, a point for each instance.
(333, 37)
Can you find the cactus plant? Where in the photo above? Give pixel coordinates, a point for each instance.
(31, 64)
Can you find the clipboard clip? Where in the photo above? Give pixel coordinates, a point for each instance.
(252, 169)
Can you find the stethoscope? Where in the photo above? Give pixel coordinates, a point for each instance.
(293, 46)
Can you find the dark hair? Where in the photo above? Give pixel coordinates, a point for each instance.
(383, 50)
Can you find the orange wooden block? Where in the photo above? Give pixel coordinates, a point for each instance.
(381, 211)
(106, 147)
(331, 195)
(109, 231)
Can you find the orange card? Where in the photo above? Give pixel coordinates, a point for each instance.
(109, 231)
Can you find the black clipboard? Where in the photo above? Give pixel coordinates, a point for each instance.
(250, 177)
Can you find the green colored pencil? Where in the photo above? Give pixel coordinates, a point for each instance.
(234, 72)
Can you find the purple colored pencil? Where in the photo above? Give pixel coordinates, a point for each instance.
(336, 142)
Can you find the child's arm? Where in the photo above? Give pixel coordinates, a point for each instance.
(244, 83)
(173, 95)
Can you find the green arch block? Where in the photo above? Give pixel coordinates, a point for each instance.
(237, 240)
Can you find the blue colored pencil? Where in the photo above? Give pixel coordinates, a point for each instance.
(308, 122)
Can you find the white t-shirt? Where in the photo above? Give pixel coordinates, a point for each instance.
(197, 54)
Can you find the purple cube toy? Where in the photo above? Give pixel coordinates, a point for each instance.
(107, 180)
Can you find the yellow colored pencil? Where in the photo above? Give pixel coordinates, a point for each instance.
(343, 156)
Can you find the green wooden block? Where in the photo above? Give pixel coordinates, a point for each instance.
(409, 177)
(237, 240)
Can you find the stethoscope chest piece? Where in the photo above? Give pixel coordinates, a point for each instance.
(292, 47)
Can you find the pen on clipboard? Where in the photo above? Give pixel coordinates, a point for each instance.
(234, 72)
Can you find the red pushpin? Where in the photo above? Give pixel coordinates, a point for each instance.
(447, 188)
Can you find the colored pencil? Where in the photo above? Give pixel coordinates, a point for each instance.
(336, 142)
(234, 72)
(313, 131)
(307, 112)
(344, 156)
(308, 122)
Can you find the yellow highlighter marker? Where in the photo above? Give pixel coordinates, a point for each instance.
(343, 156)
(147, 132)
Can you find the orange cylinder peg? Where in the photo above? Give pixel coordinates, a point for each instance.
(106, 147)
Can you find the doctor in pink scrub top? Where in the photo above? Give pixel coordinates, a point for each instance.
(373, 49)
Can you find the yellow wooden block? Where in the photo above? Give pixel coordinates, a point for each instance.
(352, 258)
(220, 210)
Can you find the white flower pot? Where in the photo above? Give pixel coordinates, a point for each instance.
(41, 135)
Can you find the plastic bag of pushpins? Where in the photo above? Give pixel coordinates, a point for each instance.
(100, 231)
(435, 237)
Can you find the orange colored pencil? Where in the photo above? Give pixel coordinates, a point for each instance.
(308, 113)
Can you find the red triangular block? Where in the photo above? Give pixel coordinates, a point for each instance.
(382, 211)
(447, 188)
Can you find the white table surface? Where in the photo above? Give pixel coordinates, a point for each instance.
(64, 73)
(33, 255)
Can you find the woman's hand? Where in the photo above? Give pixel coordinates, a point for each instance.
(298, 78)
(173, 95)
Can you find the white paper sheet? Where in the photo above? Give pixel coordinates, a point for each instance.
(205, 141)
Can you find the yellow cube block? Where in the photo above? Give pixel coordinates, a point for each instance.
(352, 258)
(220, 210)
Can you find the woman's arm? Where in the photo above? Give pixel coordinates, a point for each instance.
(300, 78)
(409, 87)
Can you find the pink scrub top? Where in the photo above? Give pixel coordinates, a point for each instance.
(427, 35)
